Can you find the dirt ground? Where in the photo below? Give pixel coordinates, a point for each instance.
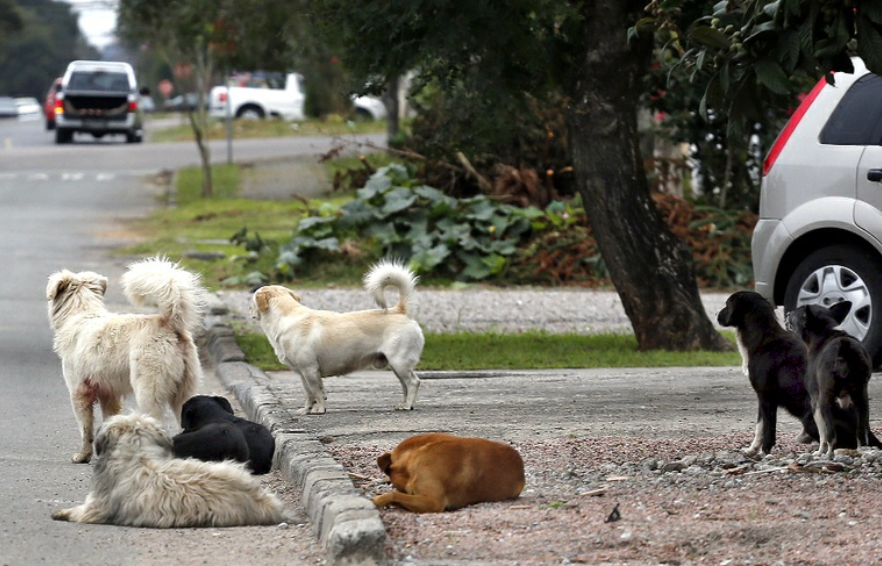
(660, 445)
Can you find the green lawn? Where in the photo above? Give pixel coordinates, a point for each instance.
(533, 350)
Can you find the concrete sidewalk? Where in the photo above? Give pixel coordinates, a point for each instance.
(507, 405)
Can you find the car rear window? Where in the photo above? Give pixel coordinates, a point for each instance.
(856, 120)
(101, 81)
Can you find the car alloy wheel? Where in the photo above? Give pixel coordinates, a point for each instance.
(842, 273)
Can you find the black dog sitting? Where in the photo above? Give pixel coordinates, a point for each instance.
(202, 410)
(839, 370)
(214, 442)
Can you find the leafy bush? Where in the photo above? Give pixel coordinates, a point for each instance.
(473, 238)
(479, 239)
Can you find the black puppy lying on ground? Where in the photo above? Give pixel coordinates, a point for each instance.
(201, 411)
(838, 374)
(776, 362)
(214, 442)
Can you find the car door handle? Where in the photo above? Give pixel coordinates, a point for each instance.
(874, 175)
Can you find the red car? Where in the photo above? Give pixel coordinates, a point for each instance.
(49, 104)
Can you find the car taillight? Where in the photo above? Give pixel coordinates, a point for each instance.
(133, 106)
(59, 106)
(222, 97)
(785, 134)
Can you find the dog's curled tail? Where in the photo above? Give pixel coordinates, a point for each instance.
(177, 292)
(391, 273)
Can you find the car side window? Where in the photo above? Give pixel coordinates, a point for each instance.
(857, 119)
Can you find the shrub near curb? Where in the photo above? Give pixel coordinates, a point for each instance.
(479, 239)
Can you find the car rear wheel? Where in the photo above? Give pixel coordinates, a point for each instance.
(843, 273)
(250, 112)
(63, 136)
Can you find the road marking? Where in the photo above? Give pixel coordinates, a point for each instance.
(72, 176)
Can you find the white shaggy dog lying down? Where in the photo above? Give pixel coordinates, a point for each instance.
(137, 482)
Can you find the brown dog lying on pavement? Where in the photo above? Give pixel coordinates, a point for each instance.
(437, 472)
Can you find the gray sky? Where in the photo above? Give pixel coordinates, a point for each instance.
(97, 20)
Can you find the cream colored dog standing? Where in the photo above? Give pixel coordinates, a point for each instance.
(317, 344)
(138, 482)
(106, 356)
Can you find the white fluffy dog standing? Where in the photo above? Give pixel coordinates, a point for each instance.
(138, 482)
(106, 356)
(317, 344)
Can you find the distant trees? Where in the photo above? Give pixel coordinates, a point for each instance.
(38, 38)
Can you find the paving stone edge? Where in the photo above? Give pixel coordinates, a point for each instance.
(346, 523)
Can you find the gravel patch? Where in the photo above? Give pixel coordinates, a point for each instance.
(680, 501)
(581, 311)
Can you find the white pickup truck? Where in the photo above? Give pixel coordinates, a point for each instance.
(256, 96)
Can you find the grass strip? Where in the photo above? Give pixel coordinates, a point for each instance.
(529, 350)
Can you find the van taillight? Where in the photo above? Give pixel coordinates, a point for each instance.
(785, 134)
(133, 106)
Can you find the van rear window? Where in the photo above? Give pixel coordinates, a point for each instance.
(99, 81)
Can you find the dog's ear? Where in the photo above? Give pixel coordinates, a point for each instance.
(840, 310)
(294, 295)
(385, 462)
(59, 283)
(224, 404)
(261, 300)
(102, 443)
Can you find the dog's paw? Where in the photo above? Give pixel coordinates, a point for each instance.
(403, 407)
(81, 457)
(804, 438)
(750, 451)
(61, 515)
(312, 411)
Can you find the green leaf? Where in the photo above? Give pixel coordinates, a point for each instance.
(397, 200)
(708, 36)
(311, 223)
(869, 44)
(479, 208)
(428, 259)
(872, 10)
(772, 76)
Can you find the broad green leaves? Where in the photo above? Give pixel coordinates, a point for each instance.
(750, 51)
(471, 238)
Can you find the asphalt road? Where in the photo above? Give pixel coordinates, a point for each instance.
(68, 207)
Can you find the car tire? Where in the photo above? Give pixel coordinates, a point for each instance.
(837, 273)
(63, 136)
(250, 112)
(50, 125)
(133, 138)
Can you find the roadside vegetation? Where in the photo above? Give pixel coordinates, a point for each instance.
(236, 243)
(270, 128)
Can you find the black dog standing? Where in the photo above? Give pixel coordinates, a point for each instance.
(839, 370)
(206, 411)
(775, 362)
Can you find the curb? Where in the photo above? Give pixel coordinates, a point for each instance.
(347, 524)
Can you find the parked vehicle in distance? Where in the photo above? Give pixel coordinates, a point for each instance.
(27, 105)
(256, 96)
(49, 104)
(8, 108)
(819, 237)
(99, 98)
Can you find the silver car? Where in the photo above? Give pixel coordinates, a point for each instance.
(819, 238)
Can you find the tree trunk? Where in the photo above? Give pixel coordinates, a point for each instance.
(390, 101)
(651, 268)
